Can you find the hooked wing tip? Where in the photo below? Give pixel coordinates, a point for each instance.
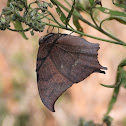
(101, 71)
(50, 106)
(104, 68)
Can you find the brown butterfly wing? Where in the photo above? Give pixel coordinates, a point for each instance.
(75, 58)
(51, 84)
(70, 60)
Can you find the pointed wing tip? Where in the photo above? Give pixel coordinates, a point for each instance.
(104, 68)
(49, 106)
(51, 109)
(101, 71)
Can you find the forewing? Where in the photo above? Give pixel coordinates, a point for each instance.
(63, 60)
(75, 58)
(51, 84)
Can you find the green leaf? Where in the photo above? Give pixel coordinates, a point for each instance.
(113, 99)
(120, 74)
(119, 5)
(70, 13)
(107, 120)
(18, 26)
(60, 13)
(123, 63)
(124, 79)
(91, 2)
(111, 12)
(77, 24)
(118, 79)
(8, 3)
(119, 19)
(25, 2)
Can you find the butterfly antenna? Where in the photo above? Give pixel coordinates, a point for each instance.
(58, 30)
(48, 27)
(71, 33)
(52, 29)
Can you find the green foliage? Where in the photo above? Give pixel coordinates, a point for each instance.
(120, 81)
(111, 12)
(60, 13)
(107, 120)
(31, 17)
(91, 2)
(70, 13)
(82, 5)
(35, 20)
(113, 99)
(4, 22)
(18, 26)
(121, 5)
(86, 123)
(77, 24)
(121, 20)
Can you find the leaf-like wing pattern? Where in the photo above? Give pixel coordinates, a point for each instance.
(63, 60)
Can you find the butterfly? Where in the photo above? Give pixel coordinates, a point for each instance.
(63, 60)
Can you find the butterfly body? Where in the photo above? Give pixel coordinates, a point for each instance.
(63, 60)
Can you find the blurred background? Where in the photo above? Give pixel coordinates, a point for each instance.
(20, 104)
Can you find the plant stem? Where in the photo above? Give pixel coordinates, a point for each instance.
(81, 33)
(25, 30)
(75, 13)
(91, 14)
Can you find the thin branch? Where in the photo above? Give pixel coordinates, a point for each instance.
(25, 30)
(75, 13)
(81, 33)
(91, 14)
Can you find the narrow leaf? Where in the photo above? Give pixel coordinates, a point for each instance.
(18, 26)
(8, 3)
(123, 63)
(113, 99)
(119, 19)
(60, 13)
(118, 79)
(77, 24)
(119, 5)
(107, 120)
(120, 74)
(70, 13)
(111, 12)
(124, 79)
(91, 2)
